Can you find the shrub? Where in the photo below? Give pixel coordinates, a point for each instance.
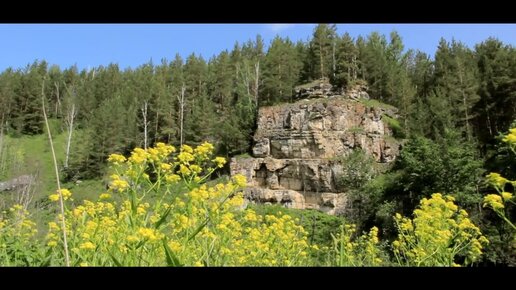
(439, 235)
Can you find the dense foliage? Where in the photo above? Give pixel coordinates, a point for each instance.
(454, 109)
(159, 211)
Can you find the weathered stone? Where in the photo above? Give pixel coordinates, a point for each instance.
(262, 148)
(297, 146)
(316, 89)
(20, 181)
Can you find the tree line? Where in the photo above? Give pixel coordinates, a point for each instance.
(193, 99)
(453, 108)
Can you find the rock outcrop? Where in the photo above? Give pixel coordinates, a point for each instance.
(18, 182)
(298, 145)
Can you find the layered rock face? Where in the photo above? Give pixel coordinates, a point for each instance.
(298, 146)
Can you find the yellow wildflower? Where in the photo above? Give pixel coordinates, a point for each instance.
(185, 157)
(116, 158)
(87, 246)
(186, 148)
(138, 156)
(66, 193)
(196, 168)
(198, 264)
(493, 200)
(220, 161)
(496, 180)
(240, 180)
(184, 170)
(172, 178)
(165, 166)
(174, 246)
(506, 195)
(52, 243)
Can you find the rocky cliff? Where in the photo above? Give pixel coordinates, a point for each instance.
(298, 145)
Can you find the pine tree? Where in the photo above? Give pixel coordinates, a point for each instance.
(323, 50)
(281, 72)
(455, 78)
(28, 118)
(374, 62)
(347, 62)
(497, 87)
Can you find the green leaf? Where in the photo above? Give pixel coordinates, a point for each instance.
(46, 263)
(117, 263)
(198, 230)
(172, 260)
(163, 218)
(76, 263)
(141, 243)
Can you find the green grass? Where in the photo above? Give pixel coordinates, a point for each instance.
(87, 189)
(396, 127)
(243, 155)
(319, 225)
(356, 129)
(35, 156)
(309, 85)
(371, 103)
(32, 155)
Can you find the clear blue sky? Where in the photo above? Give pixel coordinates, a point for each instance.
(89, 45)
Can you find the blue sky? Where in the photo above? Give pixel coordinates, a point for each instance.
(89, 45)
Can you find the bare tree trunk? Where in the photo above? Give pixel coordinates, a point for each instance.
(2, 134)
(182, 107)
(61, 203)
(488, 119)
(464, 101)
(354, 67)
(58, 99)
(333, 55)
(321, 59)
(466, 114)
(256, 83)
(70, 117)
(71, 114)
(157, 125)
(145, 125)
(247, 80)
(245, 75)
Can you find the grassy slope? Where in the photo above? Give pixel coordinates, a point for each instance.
(37, 157)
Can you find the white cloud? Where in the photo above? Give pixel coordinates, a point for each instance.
(279, 27)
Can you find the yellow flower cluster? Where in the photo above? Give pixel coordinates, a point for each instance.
(437, 234)
(118, 183)
(360, 251)
(65, 192)
(17, 236)
(204, 150)
(220, 161)
(202, 225)
(495, 201)
(511, 138)
(498, 201)
(187, 166)
(138, 156)
(116, 158)
(240, 180)
(496, 180)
